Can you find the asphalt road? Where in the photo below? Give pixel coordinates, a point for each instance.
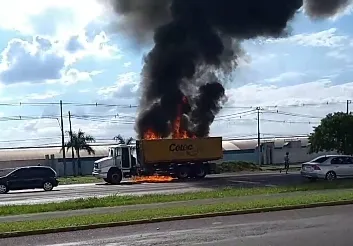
(66, 192)
(321, 226)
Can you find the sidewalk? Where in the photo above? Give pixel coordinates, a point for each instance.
(119, 209)
(278, 167)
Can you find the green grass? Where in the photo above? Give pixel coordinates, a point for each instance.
(78, 180)
(169, 212)
(112, 201)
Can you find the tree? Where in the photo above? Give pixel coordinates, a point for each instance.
(335, 133)
(122, 140)
(80, 141)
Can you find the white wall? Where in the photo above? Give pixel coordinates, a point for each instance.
(296, 155)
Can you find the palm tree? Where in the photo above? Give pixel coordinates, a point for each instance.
(122, 140)
(79, 141)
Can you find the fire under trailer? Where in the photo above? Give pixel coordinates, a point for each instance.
(178, 158)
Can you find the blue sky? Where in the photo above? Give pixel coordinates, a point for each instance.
(52, 51)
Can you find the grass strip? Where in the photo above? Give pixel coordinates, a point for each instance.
(78, 180)
(113, 201)
(148, 214)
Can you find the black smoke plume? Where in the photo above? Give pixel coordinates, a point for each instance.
(207, 105)
(197, 37)
(325, 8)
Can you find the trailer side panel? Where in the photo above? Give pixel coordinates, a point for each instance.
(181, 150)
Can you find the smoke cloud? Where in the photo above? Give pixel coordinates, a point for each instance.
(196, 43)
(325, 8)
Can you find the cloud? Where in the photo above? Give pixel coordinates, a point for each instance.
(36, 16)
(44, 59)
(80, 46)
(42, 96)
(285, 76)
(340, 54)
(35, 61)
(127, 86)
(326, 38)
(73, 76)
(127, 64)
(325, 91)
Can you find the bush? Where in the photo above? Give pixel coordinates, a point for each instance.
(237, 166)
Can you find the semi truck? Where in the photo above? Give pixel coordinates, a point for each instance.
(178, 158)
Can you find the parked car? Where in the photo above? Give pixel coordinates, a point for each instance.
(329, 167)
(30, 177)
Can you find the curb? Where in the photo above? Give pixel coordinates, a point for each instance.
(176, 218)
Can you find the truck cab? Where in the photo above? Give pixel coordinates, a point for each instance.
(120, 163)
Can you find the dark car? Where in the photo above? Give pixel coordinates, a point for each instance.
(29, 178)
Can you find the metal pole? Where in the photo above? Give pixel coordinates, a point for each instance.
(72, 150)
(258, 136)
(62, 136)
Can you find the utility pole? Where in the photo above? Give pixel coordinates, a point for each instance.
(72, 150)
(348, 102)
(62, 136)
(258, 136)
(345, 137)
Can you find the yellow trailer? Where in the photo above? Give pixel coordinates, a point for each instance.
(181, 150)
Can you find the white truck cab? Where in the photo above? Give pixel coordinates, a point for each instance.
(120, 163)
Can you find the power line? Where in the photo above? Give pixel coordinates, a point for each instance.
(292, 114)
(96, 104)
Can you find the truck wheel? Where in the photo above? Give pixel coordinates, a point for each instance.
(115, 177)
(107, 180)
(183, 172)
(200, 172)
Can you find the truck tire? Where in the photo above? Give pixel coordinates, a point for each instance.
(200, 172)
(183, 172)
(115, 176)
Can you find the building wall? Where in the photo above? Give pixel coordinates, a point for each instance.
(21, 163)
(86, 166)
(239, 155)
(296, 155)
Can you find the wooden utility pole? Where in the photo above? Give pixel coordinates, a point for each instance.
(73, 149)
(63, 137)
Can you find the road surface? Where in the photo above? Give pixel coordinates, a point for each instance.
(320, 226)
(67, 192)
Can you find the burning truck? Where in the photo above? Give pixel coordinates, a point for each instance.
(153, 158)
(164, 158)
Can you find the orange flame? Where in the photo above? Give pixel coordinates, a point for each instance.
(149, 135)
(177, 132)
(152, 179)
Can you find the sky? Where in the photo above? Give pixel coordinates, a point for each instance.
(69, 51)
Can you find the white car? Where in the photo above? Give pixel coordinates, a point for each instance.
(329, 167)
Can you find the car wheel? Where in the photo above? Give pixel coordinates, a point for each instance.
(3, 189)
(330, 176)
(48, 186)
